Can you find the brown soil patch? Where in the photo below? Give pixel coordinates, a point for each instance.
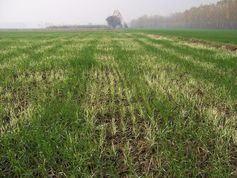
(228, 47)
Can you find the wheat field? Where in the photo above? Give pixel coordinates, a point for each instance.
(116, 104)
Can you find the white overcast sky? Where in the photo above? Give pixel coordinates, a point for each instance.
(36, 13)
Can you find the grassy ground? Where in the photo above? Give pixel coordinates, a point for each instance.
(220, 36)
(109, 104)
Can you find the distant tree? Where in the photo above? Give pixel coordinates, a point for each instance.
(221, 15)
(114, 21)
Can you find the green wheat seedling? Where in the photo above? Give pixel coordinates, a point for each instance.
(116, 104)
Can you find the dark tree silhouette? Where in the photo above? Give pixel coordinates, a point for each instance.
(114, 22)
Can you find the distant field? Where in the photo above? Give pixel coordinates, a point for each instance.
(221, 36)
(117, 104)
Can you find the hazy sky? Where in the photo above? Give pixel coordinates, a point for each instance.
(36, 13)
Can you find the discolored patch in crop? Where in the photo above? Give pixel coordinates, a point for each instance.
(19, 97)
(46, 76)
(16, 105)
(120, 114)
(199, 43)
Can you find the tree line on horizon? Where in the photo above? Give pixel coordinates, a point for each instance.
(222, 15)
